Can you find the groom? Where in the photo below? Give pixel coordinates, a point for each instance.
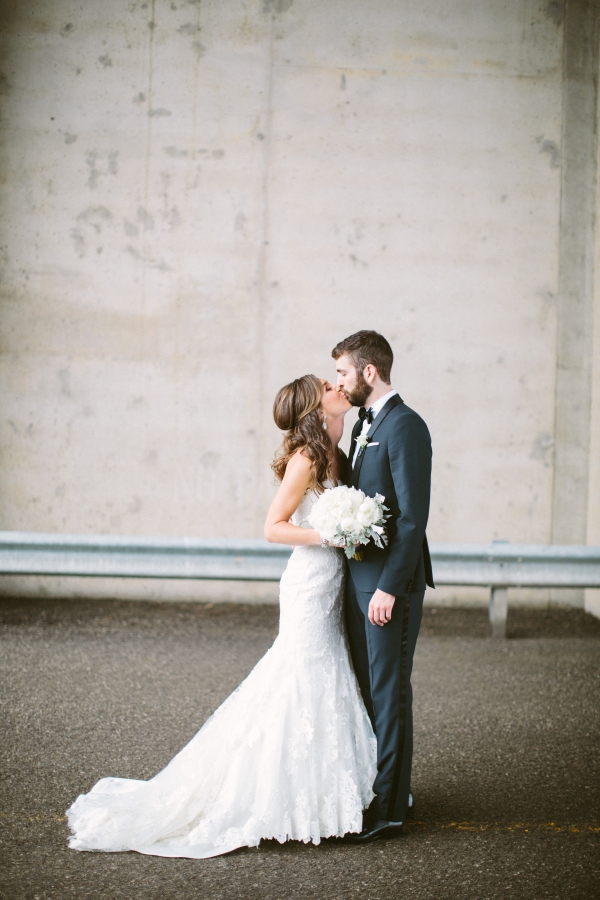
(390, 454)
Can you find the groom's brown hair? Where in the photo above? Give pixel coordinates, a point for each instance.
(367, 347)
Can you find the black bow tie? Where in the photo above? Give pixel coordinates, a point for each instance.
(366, 414)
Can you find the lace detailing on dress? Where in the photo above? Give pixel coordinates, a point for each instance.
(289, 755)
(300, 517)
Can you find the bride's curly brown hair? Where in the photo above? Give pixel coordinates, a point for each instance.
(296, 411)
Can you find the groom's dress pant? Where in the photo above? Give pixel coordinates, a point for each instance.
(382, 657)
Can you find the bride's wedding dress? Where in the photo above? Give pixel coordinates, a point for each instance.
(289, 755)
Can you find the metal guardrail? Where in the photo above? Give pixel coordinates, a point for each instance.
(140, 557)
(499, 565)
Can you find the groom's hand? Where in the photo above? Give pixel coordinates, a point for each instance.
(380, 607)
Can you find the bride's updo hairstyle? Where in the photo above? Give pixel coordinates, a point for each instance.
(296, 411)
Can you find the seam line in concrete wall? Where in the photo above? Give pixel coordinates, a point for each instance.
(263, 253)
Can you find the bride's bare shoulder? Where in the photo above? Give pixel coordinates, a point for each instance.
(299, 462)
(298, 471)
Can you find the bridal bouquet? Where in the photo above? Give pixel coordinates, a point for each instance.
(345, 517)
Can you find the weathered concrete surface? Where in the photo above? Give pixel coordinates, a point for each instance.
(575, 333)
(507, 774)
(199, 200)
(592, 598)
(575, 322)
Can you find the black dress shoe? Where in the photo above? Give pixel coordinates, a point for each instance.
(411, 807)
(380, 828)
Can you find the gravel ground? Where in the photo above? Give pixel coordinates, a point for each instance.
(506, 773)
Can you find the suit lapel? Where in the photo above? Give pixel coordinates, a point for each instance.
(355, 433)
(394, 401)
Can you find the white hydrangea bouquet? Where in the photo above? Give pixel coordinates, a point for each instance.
(345, 517)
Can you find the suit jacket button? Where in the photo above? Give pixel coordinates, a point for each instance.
(409, 587)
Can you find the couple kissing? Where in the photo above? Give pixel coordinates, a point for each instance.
(317, 741)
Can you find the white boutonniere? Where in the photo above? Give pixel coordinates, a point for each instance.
(362, 440)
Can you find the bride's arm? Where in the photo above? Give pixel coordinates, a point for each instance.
(296, 481)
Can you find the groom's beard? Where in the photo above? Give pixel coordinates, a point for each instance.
(361, 393)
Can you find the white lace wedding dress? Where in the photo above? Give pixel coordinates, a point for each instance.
(289, 755)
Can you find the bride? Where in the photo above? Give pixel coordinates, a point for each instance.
(290, 754)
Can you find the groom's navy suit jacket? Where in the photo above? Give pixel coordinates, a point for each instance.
(396, 463)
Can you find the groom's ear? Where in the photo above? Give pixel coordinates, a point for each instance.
(370, 373)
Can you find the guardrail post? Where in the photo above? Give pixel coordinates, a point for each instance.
(498, 611)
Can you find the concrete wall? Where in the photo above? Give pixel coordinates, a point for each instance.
(592, 597)
(200, 199)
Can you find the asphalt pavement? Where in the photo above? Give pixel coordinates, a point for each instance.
(506, 770)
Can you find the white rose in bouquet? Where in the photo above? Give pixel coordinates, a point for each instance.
(345, 517)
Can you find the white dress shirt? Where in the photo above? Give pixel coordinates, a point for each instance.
(376, 408)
